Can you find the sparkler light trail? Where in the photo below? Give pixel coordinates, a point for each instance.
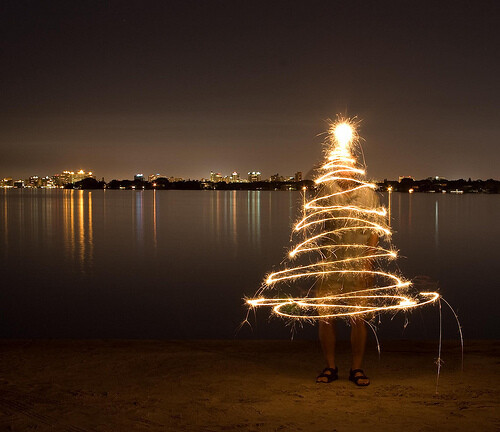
(338, 242)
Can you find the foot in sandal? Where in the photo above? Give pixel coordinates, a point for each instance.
(358, 377)
(328, 375)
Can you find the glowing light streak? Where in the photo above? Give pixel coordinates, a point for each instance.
(310, 204)
(302, 224)
(332, 175)
(372, 226)
(350, 219)
(404, 303)
(275, 277)
(384, 252)
(326, 219)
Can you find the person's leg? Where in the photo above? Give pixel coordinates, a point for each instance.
(327, 337)
(358, 342)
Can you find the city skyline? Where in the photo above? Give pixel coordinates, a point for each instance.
(72, 177)
(121, 86)
(223, 174)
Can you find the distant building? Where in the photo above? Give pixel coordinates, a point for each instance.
(298, 176)
(153, 177)
(66, 177)
(56, 180)
(215, 177)
(139, 177)
(47, 182)
(19, 184)
(235, 177)
(6, 182)
(277, 178)
(401, 178)
(78, 176)
(254, 176)
(34, 182)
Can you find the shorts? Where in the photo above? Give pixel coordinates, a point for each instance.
(338, 284)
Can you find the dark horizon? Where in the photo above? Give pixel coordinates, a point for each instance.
(184, 87)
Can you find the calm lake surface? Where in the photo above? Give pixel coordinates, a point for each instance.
(177, 264)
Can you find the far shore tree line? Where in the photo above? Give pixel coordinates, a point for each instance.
(441, 185)
(405, 185)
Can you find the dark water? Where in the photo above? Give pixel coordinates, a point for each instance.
(176, 264)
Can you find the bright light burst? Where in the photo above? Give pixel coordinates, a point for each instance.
(343, 133)
(330, 217)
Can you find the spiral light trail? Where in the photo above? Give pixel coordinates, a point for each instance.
(331, 216)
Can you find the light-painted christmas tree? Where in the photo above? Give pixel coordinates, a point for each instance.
(337, 267)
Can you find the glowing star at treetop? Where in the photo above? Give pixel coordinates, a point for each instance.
(327, 217)
(343, 133)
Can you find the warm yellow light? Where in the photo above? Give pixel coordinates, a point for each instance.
(343, 134)
(342, 138)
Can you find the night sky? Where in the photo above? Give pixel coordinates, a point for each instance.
(184, 87)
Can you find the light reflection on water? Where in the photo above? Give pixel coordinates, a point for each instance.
(436, 224)
(177, 264)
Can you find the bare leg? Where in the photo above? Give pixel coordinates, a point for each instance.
(358, 342)
(327, 337)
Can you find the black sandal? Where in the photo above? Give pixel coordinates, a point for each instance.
(333, 375)
(355, 379)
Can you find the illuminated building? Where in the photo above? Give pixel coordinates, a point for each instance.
(153, 177)
(277, 178)
(401, 178)
(218, 177)
(7, 182)
(139, 177)
(254, 176)
(298, 176)
(47, 182)
(215, 177)
(33, 182)
(80, 175)
(66, 177)
(56, 180)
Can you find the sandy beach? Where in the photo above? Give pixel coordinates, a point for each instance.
(121, 385)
